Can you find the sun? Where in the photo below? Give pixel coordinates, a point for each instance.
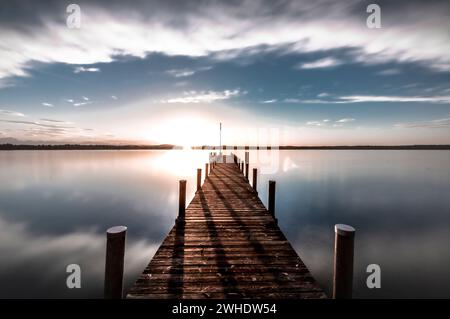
(185, 131)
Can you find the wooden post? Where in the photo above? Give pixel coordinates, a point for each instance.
(199, 179)
(206, 170)
(247, 157)
(115, 252)
(246, 171)
(224, 158)
(272, 197)
(242, 167)
(343, 261)
(255, 174)
(182, 200)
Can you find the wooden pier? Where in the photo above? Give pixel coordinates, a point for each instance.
(226, 244)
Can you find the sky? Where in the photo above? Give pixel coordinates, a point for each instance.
(272, 72)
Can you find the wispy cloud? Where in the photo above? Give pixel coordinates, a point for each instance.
(269, 101)
(313, 101)
(114, 97)
(345, 120)
(55, 121)
(320, 64)
(81, 69)
(82, 103)
(440, 123)
(47, 104)
(179, 73)
(315, 123)
(390, 72)
(328, 122)
(35, 123)
(377, 98)
(203, 96)
(12, 113)
(372, 98)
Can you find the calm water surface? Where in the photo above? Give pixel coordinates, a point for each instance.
(56, 205)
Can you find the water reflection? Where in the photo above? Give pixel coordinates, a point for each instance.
(56, 205)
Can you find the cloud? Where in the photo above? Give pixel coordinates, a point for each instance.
(327, 122)
(216, 28)
(315, 123)
(269, 101)
(81, 103)
(440, 123)
(55, 121)
(313, 101)
(47, 104)
(320, 64)
(376, 98)
(180, 73)
(346, 120)
(203, 96)
(389, 72)
(35, 123)
(85, 98)
(291, 100)
(114, 97)
(51, 253)
(372, 98)
(323, 94)
(80, 69)
(12, 113)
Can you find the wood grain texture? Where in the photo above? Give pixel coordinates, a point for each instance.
(229, 246)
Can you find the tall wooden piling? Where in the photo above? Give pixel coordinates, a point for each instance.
(115, 252)
(343, 261)
(206, 170)
(199, 179)
(255, 175)
(182, 200)
(271, 208)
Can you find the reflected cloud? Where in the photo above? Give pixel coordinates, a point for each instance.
(49, 256)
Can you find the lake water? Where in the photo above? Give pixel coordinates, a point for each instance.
(56, 205)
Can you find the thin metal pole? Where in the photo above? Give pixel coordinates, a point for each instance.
(220, 138)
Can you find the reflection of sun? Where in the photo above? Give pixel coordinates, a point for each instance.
(180, 163)
(185, 131)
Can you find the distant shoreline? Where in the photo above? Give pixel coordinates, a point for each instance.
(12, 147)
(25, 147)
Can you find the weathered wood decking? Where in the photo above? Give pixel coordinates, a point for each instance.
(230, 246)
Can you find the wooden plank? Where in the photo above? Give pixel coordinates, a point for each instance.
(229, 246)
